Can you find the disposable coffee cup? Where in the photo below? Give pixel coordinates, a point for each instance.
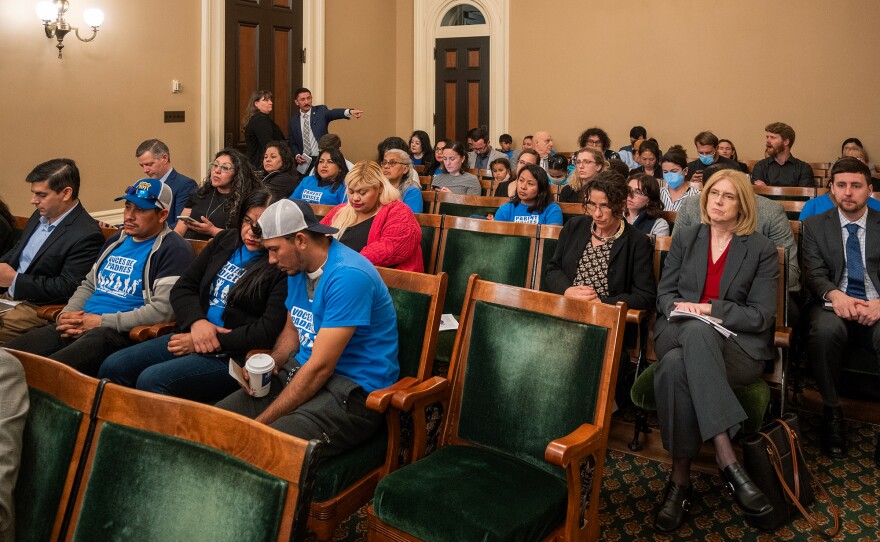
(259, 367)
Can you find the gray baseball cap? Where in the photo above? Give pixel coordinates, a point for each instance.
(285, 217)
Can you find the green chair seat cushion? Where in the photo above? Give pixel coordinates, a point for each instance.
(48, 444)
(754, 398)
(150, 487)
(341, 471)
(468, 493)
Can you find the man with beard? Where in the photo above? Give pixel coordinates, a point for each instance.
(780, 168)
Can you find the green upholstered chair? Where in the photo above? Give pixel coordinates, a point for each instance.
(522, 446)
(163, 468)
(346, 482)
(458, 205)
(55, 441)
(502, 252)
(428, 198)
(431, 225)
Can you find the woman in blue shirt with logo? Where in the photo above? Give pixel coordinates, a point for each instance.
(532, 203)
(327, 186)
(230, 300)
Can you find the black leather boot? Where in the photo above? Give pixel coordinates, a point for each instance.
(747, 495)
(833, 437)
(676, 504)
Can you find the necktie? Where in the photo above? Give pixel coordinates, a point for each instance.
(855, 270)
(308, 140)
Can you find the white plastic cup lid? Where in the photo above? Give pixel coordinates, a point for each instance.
(260, 363)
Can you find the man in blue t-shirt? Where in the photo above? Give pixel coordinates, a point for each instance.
(128, 286)
(339, 343)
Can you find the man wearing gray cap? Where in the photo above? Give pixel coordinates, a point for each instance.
(128, 286)
(339, 343)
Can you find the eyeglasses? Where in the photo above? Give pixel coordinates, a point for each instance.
(593, 207)
(142, 193)
(392, 163)
(586, 162)
(225, 168)
(594, 143)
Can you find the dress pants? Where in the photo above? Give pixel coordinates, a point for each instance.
(693, 385)
(85, 354)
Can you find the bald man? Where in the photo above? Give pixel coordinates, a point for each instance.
(542, 142)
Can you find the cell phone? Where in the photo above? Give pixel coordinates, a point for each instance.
(189, 219)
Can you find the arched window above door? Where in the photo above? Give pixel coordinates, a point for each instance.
(462, 15)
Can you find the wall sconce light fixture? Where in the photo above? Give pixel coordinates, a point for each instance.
(51, 12)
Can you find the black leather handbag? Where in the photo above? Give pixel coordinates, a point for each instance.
(775, 461)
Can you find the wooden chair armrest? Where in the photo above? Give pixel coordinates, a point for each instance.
(139, 333)
(158, 330)
(380, 399)
(432, 390)
(782, 337)
(635, 317)
(49, 312)
(145, 333)
(573, 446)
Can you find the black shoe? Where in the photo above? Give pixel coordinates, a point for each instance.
(833, 437)
(747, 495)
(676, 503)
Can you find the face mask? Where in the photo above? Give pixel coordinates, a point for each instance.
(707, 159)
(673, 180)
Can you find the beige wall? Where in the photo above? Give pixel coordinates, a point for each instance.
(681, 66)
(102, 99)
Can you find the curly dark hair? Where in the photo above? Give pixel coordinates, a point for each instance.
(614, 186)
(650, 187)
(244, 181)
(596, 131)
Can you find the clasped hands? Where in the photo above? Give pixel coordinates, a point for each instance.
(73, 324)
(850, 308)
(201, 339)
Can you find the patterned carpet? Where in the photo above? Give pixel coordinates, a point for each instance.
(632, 486)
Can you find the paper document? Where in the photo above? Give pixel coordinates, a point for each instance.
(302, 168)
(711, 320)
(448, 322)
(235, 371)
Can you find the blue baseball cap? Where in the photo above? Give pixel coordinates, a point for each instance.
(148, 194)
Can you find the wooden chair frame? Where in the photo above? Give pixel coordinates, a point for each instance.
(429, 197)
(321, 210)
(790, 193)
(432, 221)
(477, 201)
(566, 452)
(325, 516)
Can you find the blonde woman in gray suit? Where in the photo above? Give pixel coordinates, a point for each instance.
(13, 411)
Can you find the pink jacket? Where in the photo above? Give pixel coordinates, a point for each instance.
(395, 237)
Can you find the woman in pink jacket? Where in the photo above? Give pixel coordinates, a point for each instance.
(375, 222)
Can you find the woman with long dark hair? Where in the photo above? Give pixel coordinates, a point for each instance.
(420, 147)
(278, 164)
(259, 128)
(532, 203)
(229, 301)
(327, 185)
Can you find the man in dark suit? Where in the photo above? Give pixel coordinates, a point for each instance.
(315, 120)
(155, 159)
(57, 247)
(841, 250)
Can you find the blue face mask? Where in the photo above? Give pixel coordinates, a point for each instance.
(673, 179)
(707, 159)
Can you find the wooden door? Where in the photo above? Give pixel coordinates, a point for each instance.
(263, 52)
(462, 94)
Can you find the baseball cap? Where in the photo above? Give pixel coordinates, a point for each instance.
(148, 194)
(286, 216)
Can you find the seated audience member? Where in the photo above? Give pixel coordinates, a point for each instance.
(399, 171)
(154, 158)
(333, 141)
(627, 153)
(588, 162)
(527, 142)
(648, 155)
(617, 166)
(674, 166)
(643, 205)
(212, 208)
(230, 300)
(505, 146)
(388, 143)
(780, 168)
(597, 138)
(506, 189)
(558, 169)
(128, 286)
(533, 202)
(825, 202)
(278, 165)
(13, 414)
(841, 276)
(339, 343)
(482, 153)
(706, 144)
(697, 366)
(600, 257)
(56, 249)
(419, 147)
(456, 179)
(501, 172)
(852, 146)
(327, 186)
(727, 150)
(259, 128)
(542, 142)
(435, 165)
(375, 222)
(7, 228)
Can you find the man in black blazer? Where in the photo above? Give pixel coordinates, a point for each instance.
(841, 264)
(155, 159)
(318, 119)
(57, 248)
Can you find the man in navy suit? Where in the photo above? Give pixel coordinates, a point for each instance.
(155, 158)
(57, 248)
(316, 119)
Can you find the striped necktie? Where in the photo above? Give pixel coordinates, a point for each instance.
(308, 140)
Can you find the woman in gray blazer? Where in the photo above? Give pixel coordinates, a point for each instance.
(720, 268)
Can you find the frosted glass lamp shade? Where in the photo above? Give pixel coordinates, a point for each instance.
(47, 11)
(93, 17)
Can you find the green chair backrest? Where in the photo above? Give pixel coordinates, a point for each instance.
(429, 233)
(48, 446)
(151, 487)
(460, 209)
(521, 389)
(549, 249)
(412, 319)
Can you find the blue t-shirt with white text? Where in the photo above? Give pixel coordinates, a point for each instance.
(309, 190)
(225, 279)
(510, 212)
(119, 282)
